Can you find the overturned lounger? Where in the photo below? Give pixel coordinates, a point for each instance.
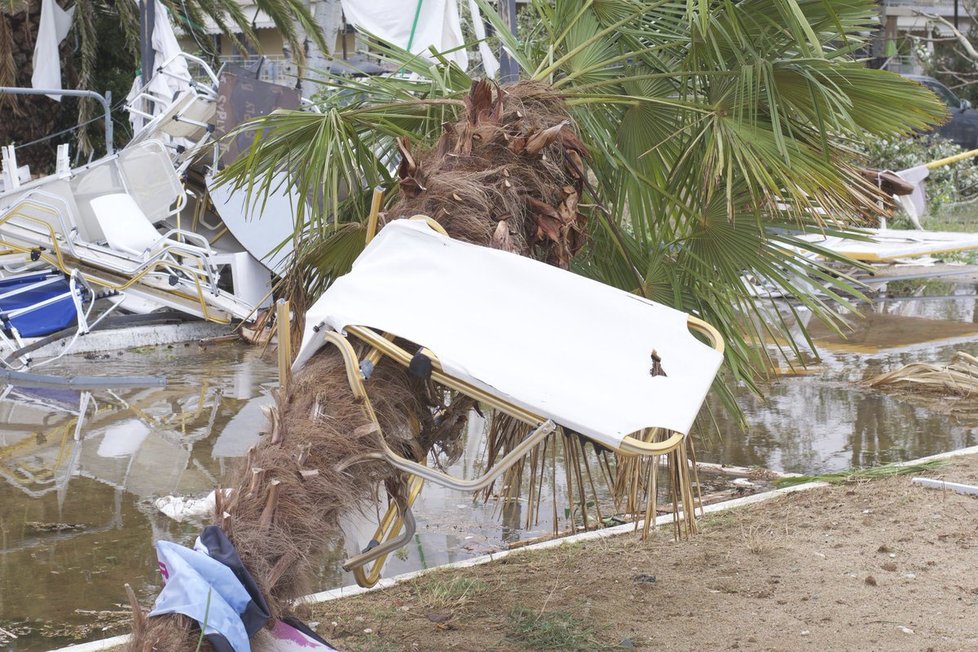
(541, 344)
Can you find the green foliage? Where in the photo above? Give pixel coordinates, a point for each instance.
(550, 631)
(945, 185)
(860, 475)
(449, 591)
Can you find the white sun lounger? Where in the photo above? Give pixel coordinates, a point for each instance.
(546, 346)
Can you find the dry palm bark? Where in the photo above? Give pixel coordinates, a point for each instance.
(507, 175)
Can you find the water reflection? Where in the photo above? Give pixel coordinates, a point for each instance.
(79, 469)
(827, 421)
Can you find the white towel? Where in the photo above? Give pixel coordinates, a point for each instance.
(53, 28)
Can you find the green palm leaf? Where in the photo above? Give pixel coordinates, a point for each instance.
(719, 132)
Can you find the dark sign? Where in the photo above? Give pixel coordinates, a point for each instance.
(242, 97)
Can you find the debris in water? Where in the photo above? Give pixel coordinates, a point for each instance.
(37, 526)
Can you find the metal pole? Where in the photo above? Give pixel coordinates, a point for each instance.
(508, 70)
(147, 23)
(109, 136)
(104, 101)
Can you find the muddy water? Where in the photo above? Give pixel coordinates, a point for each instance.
(79, 471)
(825, 421)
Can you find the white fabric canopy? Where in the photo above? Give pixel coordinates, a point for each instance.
(915, 203)
(489, 62)
(166, 47)
(55, 23)
(166, 86)
(563, 346)
(437, 25)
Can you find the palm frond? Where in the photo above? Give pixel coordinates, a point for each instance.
(719, 133)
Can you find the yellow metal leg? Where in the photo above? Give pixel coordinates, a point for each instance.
(387, 532)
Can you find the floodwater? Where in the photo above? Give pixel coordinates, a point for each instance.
(79, 470)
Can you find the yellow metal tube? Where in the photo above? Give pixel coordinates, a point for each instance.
(941, 162)
(375, 202)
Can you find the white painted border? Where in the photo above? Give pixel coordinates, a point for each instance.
(593, 535)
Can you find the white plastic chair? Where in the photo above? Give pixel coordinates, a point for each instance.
(127, 229)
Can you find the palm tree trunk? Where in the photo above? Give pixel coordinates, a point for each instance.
(506, 175)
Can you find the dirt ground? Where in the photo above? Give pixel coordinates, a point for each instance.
(879, 565)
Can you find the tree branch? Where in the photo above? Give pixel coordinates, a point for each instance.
(961, 38)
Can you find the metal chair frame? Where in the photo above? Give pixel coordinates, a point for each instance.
(388, 537)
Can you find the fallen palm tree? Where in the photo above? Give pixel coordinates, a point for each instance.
(684, 172)
(514, 154)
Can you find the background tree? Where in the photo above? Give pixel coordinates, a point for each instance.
(953, 59)
(102, 52)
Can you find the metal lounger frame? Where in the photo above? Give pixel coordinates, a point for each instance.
(399, 512)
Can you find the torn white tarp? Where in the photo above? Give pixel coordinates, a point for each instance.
(170, 76)
(55, 23)
(891, 245)
(563, 346)
(489, 63)
(415, 25)
(915, 204)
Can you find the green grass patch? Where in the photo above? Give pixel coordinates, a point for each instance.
(860, 475)
(558, 630)
(443, 591)
(717, 519)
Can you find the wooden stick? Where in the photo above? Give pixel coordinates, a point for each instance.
(279, 569)
(271, 503)
(283, 321)
(275, 424)
(256, 477)
(138, 617)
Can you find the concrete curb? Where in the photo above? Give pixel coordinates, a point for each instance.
(593, 535)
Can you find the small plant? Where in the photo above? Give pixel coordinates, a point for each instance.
(758, 541)
(449, 592)
(551, 631)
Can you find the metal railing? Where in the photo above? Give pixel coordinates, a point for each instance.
(105, 101)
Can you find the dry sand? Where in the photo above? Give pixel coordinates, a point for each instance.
(880, 565)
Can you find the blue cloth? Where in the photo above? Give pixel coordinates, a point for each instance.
(42, 321)
(190, 577)
(216, 544)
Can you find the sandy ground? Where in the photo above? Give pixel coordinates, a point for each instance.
(880, 565)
